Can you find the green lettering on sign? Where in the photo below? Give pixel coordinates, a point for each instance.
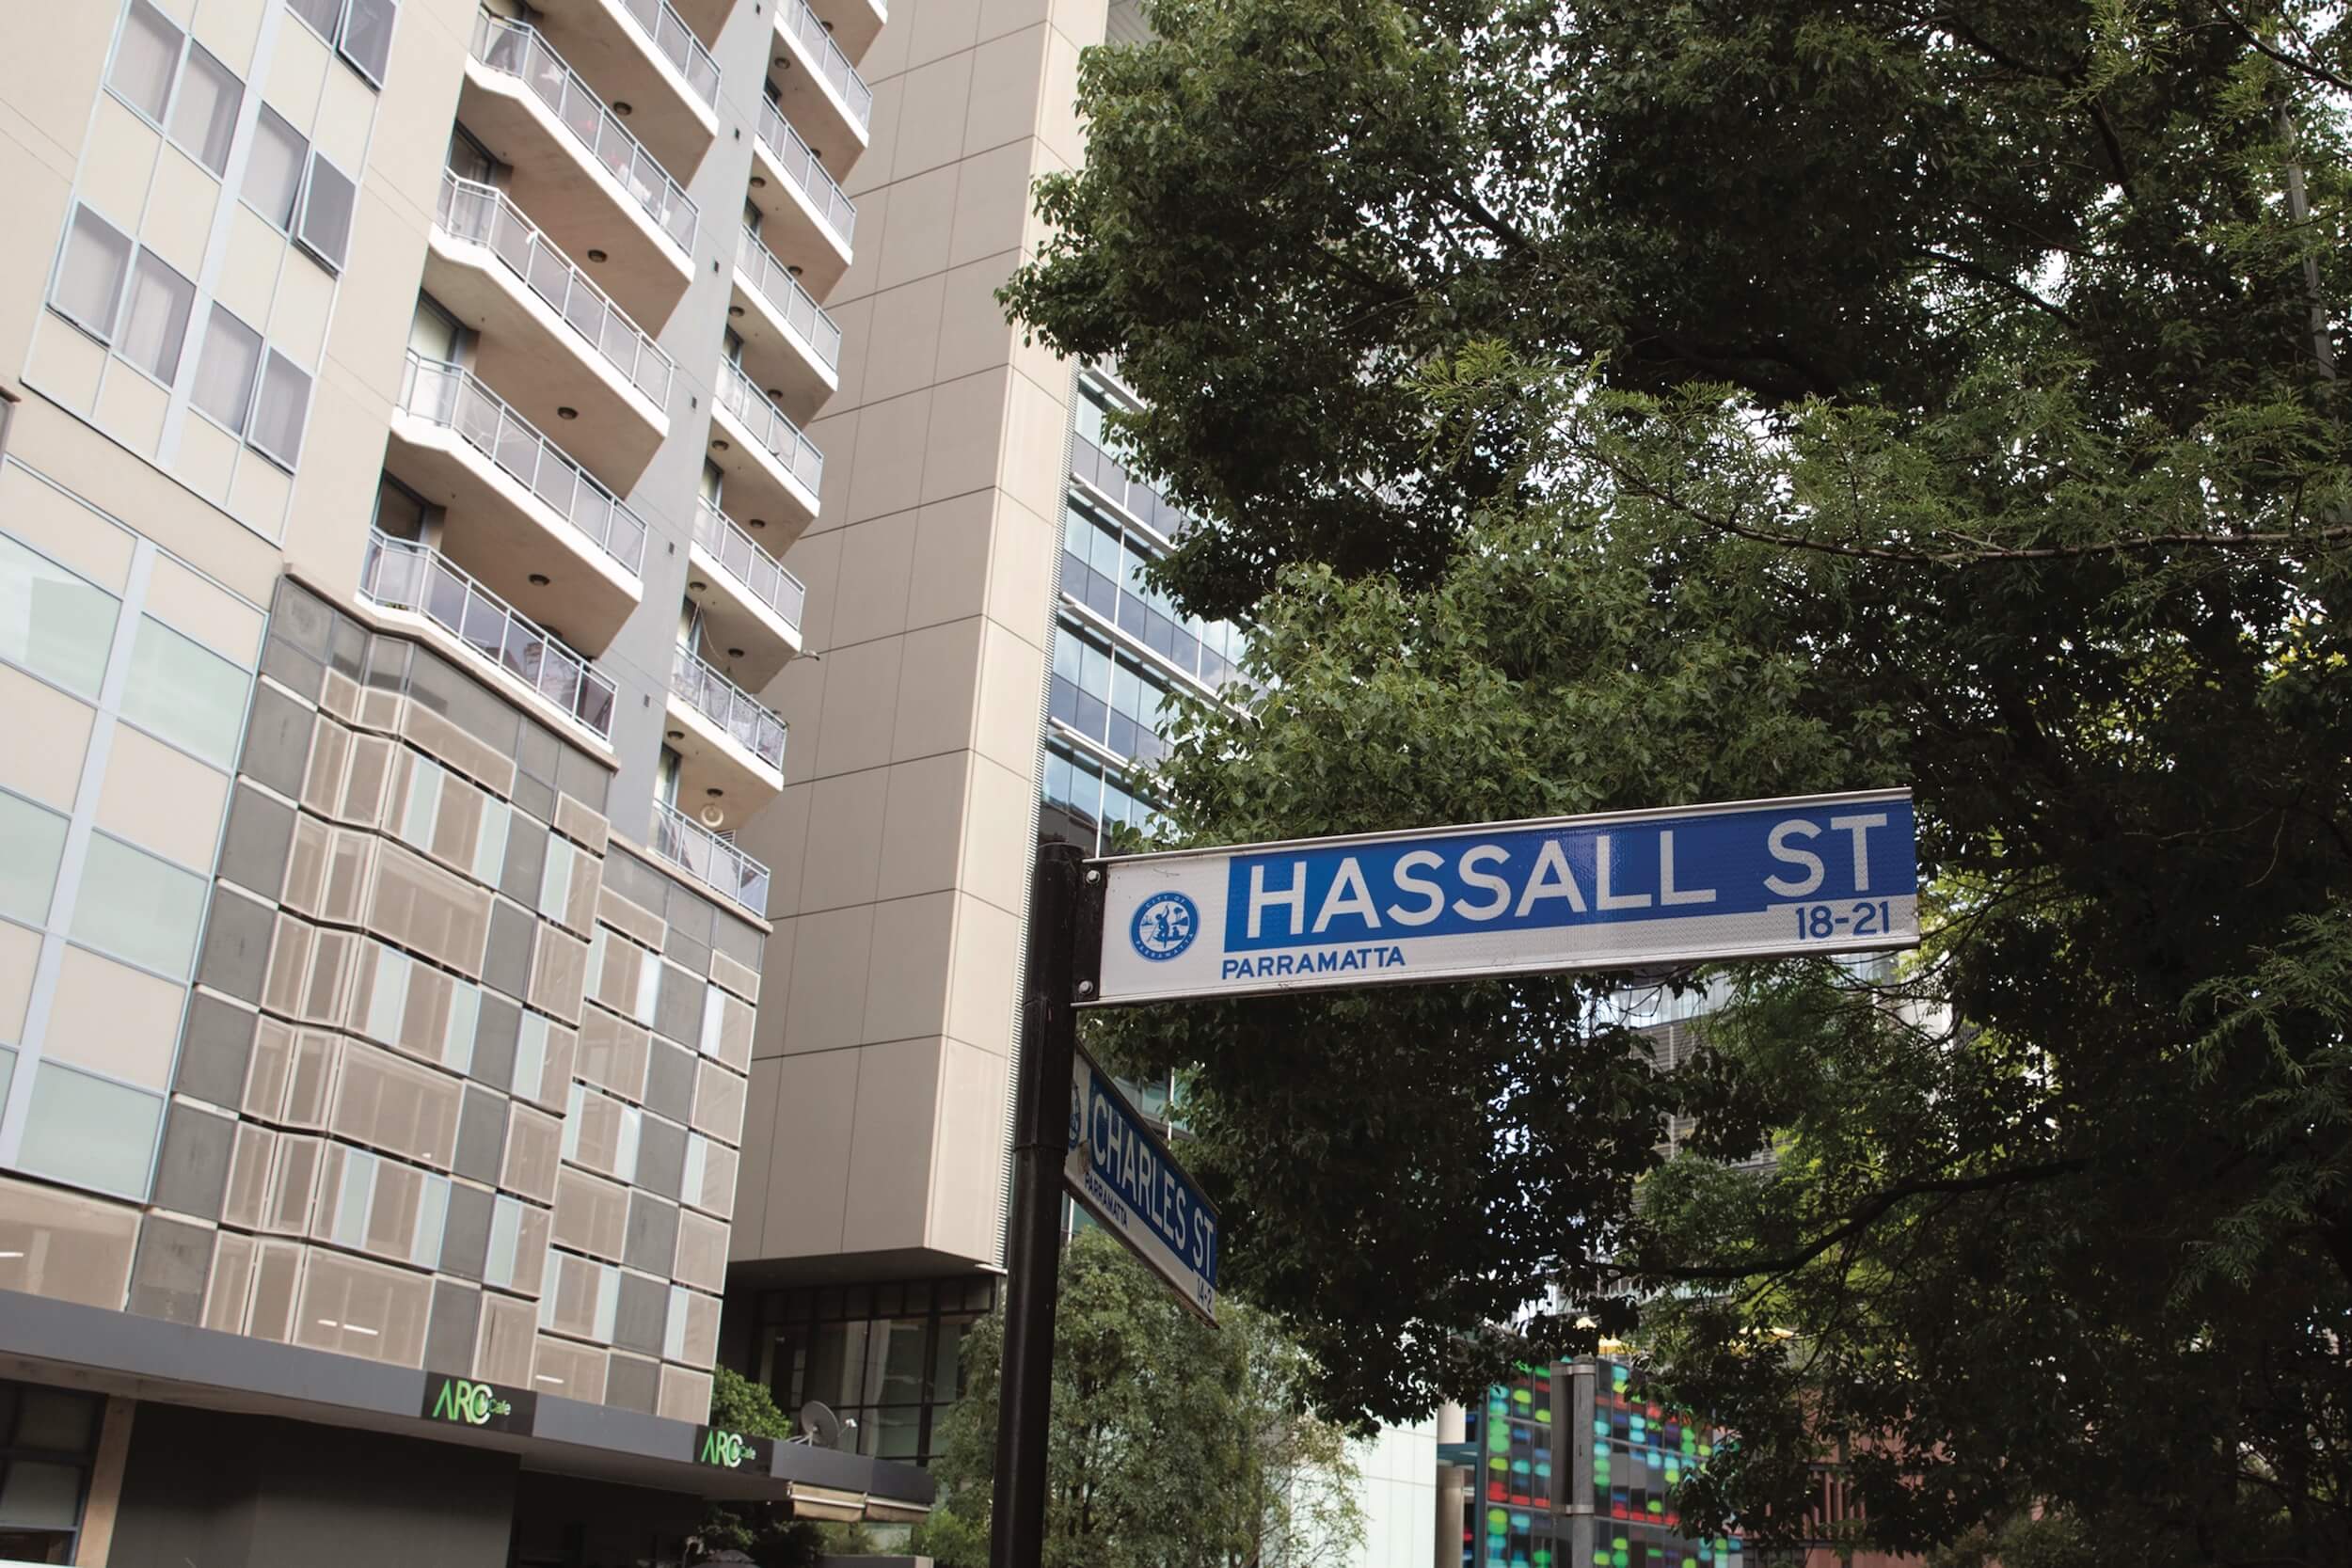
(467, 1403)
(733, 1451)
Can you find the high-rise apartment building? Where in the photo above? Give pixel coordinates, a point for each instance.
(406, 409)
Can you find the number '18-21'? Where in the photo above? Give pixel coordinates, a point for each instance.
(1816, 922)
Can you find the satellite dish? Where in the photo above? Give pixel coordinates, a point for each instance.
(712, 815)
(819, 1426)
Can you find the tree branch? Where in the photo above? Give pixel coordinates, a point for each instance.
(2271, 51)
(1864, 1215)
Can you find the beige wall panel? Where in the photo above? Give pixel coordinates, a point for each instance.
(965, 1186)
(902, 351)
(995, 849)
(1037, 436)
(968, 436)
(935, 690)
(37, 194)
(19, 951)
(776, 835)
(229, 29)
(886, 57)
(1012, 676)
(877, 562)
(62, 528)
(855, 317)
(987, 972)
(338, 485)
(64, 1246)
(66, 365)
(117, 165)
(113, 1019)
(892, 1147)
(860, 707)
(1006, 72)
(180, 213)
(938, 28)
(888, 476)
(938, 96)
(914, 240)
(297, 318)
(974, 335)
(256, 496)
(842, 863)
(906, 983)
(760, 1147)
(999, 17)
(816, 559)
(162, 800)
(378, 293)
(207, 459)
(992, 202)
(48, 90)
(1024, 555)
(825, 1009)
(1058, 126)
(873, 169)
(346, 108)
(50, 771)
(298, 63)
(873, 217)
(952, 548)
(807, 1187)
(924, 825)
(131, 408)
(1082, 20)
(248, 275)
(180, 599)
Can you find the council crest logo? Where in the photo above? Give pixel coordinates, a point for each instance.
(1165, 925)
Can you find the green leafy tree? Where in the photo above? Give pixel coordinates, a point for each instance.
(1621, 403)
(1173, 1444)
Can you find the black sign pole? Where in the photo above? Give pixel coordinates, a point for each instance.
(1049, 1041)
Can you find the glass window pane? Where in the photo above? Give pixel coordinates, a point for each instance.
(225, 373)
(320, 14)
(56, 1419)
(327, 212)
(31, 841)
(156, 322)
(138, 908)
(368, 37)
(182, 692)
(285, 403)
(89, 1131)
(40, 1496)
(273, 170)
(143, 60)
(51, 621)
(90, 279)
(206, 115)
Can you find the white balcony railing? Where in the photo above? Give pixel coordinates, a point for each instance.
(677, 43)
(517, 50)
(796, 305)
(400, 574)
(449, 396)
(801, 166)
(715, 862)
(754, 727)
(760, 574)
(780, 437)
(482, 214)
(795, 18)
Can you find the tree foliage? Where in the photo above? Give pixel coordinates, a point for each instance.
(1625, 404)
(1173, 1444)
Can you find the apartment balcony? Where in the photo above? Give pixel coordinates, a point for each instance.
(806, 220)
(597, 191)
(854, 24)
(730, 747)
(772, 470)
(410, 580)
(822, 92)
(642, 54)
(790, 346)
(751, 605)
(713, 861)
(549, 333)
(523, 516)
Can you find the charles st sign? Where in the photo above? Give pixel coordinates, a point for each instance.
(1626, 889)
(1124, 1175)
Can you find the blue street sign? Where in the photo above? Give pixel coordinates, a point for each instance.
(1117, 1167)
(1623, 890)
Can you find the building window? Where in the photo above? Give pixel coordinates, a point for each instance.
(358, 30)
(206, 117)
(327, 204)
(280, 411)
(88, 1132)
(144, 60)
(47, 1439)
(32, 841)
(89, 276)
(225, 373)
(156, 321)
(179, 690)
(888, 1357)
(273, 170)
(51, 622)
